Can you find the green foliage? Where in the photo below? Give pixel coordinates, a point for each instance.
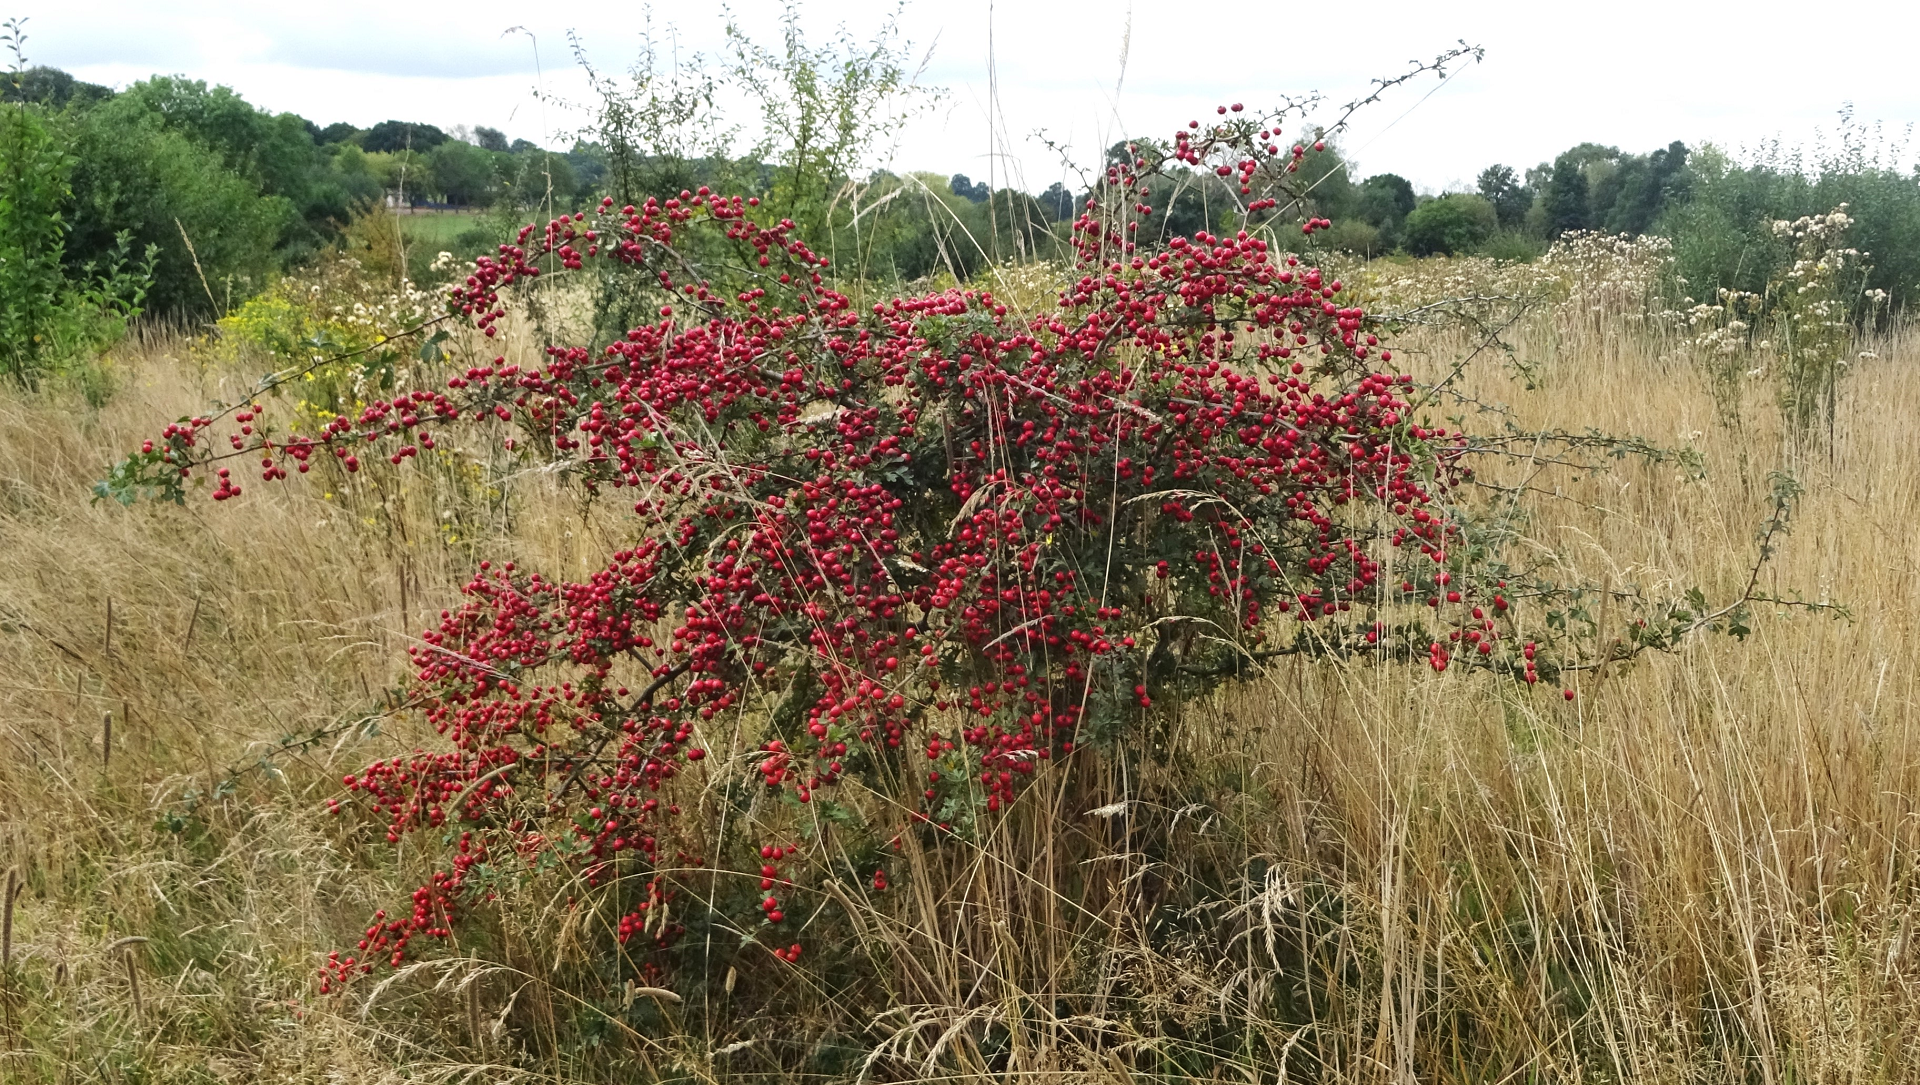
(1800, 329)
(402, 136)
(1723, 236)
(462, 172)
(656, 131)
(1326, 181)
(217, 235)
(961, 186)
(1591, 187)
(1386, 198)
(1190, 201)
(1514, 245)
(51, 87)
(1565, 199)
(275, 152)
(32, 240)
(337, 308)
(919, 226)
(356, 172)
(1455, 223)
(225, 194)
(336, 133)
(1500, 187)
(1627, 199)
(51, 316)
(1382, 202)
(1058, 202)
(537, 180)
(827, 112)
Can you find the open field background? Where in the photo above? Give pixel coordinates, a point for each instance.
(1700, 870)
(439, 229)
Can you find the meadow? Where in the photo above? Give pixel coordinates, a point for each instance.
(1698, 869)
(439, 229)
(1229, 620)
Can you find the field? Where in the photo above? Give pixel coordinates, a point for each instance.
(438, 229)
(1227, 616)
(1699, 869)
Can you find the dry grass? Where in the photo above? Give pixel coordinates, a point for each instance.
(1703, 869)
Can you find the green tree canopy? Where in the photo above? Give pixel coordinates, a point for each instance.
(1386, 199)
(1501, 187)
(1565, 198)
(337, 132)
(402, 136)
(136, 172)
(1455, 223)
(462, 172)
(961, 186)
(276, 152)
(51, 87)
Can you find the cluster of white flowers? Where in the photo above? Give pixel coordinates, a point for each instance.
(1398, 287)
(339, 287)
(1586, 276)
(1610, 276)
(1717, 328)
(1833, 222)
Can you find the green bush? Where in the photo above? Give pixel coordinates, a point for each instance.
(1514, 245)
(1723, 236)
(1455, 223)
(32, 238)
(49, 317)
(218, 236)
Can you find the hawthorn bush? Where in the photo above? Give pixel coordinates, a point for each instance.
(927, 550)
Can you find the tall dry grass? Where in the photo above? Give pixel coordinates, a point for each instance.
(1702, 869)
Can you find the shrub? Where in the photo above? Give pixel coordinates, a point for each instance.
(51, 315)
(216, 235)
(1799, 329)
(926, 550)
(1513, 245)
(1356, 236)
(1723, 234)
(1455, 223)
(331, 311)
(32, 240)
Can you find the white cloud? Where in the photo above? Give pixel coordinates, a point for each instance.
(1634, 73)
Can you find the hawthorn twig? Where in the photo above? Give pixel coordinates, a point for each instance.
(644, 700)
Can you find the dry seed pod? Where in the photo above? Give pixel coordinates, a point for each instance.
(658, 994)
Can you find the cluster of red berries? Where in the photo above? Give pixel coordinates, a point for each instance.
(650, 917)
(435, 907)
(1246, 151)
(930, 522)
(770, 876)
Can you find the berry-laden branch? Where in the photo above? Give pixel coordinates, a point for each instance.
(929, 547)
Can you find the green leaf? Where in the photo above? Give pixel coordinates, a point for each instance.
(430, 351)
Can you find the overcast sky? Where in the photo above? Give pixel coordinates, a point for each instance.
(1632, 73)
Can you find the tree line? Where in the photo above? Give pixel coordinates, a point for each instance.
(213, 196)
(1717, 210)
